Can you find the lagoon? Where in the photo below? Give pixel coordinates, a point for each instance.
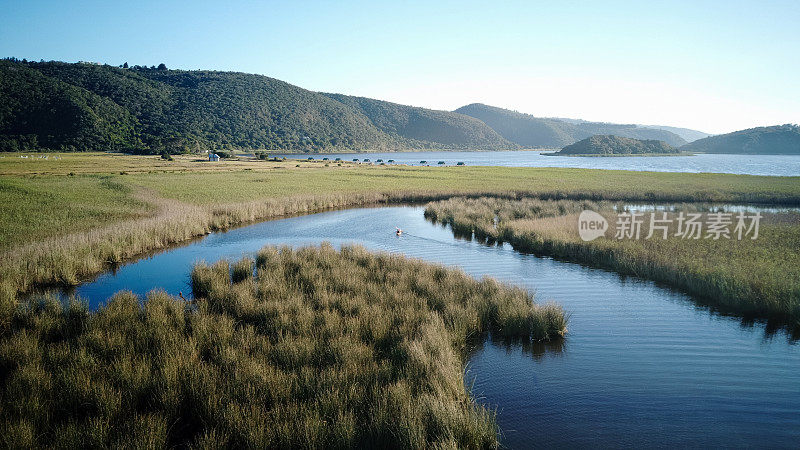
(777, 165)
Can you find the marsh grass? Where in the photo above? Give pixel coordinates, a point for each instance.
(312, 348)
(58, 229)
(758, 278)
(68, 259)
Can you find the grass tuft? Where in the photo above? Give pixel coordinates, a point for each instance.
(320, 348)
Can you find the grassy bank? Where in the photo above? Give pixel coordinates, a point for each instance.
(41, 199)
(60, 228)
(752, 277)
(318, 349)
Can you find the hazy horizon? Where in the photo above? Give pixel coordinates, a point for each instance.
(715, 67)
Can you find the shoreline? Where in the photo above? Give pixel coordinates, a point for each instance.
(613, 155)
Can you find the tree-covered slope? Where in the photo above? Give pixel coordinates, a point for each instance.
(63, 106)
(774, 140)
(426, 127)
(37, 111)
(536, 132)
(522, 129)
(608, 145)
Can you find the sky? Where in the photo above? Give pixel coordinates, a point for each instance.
(714, 66)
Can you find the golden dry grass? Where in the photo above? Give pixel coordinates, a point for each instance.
(319, 349)
(752, 277)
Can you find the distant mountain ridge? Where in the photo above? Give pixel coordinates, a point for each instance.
(87, 106)
(82, 106)
(422, 126)
(687, 134)
(609, 145)
(775, 140)
(537, 132)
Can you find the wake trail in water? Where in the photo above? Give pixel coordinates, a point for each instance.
(423, 238)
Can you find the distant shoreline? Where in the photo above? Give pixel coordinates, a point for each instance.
(600, 155)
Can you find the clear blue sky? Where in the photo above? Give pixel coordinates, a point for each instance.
(713, 66)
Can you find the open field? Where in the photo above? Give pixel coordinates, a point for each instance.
(755, 277)
(319, 349)
(41, 199)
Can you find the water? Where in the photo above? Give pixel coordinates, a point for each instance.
(641, 366)
(713, 207)
(778, 165)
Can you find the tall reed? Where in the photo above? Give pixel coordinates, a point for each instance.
(747, 277)
(312, 348)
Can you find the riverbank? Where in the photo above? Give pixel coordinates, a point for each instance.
(78, 192)
(746, 277)
(301, 347)
(60, 228)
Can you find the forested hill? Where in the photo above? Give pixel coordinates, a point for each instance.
(535, 132)
(774, 140)
(83, 106)
(425, 126)
(607, 145)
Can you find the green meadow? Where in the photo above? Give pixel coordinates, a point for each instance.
(81, 191)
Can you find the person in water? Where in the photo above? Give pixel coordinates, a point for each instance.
(399, 231)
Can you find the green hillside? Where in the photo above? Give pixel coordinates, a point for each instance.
(608, 145)
(535, 132)
(426, 127)
(37, 111)
(63, 106)
(774, 140)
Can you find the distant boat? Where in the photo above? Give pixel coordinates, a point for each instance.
(441, 163)
(460, 163)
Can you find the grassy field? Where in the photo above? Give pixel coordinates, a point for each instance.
(319, 349)
(758, 277)
(41, 198)
(69, 216)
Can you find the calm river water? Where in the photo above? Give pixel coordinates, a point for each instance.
(641, 366)
(779, 165)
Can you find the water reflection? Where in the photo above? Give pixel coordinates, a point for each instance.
(771, 326)
(537, 350)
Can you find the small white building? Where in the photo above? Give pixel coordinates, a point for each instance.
(213, 157)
